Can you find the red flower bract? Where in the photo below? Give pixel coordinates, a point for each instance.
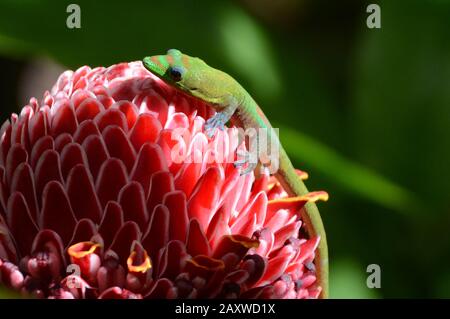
(93, 204)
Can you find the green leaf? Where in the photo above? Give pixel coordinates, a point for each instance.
(8, 294)
(347, 174)
(249, 51)
(401, 113)
(222, 33)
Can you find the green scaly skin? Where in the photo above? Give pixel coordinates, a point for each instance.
(194, 77)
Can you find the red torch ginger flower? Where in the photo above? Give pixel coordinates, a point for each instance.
(93, 204)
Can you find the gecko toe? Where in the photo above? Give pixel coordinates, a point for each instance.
(214, 123)
(239, 163)
(250, 168)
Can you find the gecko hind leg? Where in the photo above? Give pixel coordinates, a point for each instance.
(246, 159)
(250, 168)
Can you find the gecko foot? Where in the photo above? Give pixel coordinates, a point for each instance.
(250, 168)
(216, 122)
(246, 159)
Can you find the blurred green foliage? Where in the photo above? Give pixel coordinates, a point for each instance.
(366, 112)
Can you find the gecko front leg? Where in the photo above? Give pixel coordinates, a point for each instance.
(248, 158)
(228, 108)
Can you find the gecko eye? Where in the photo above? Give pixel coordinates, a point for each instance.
(176, 73)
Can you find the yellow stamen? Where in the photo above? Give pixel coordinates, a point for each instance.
(246, 242)
(143, 267)
(310, 197)
(76, 251)
(217, 264)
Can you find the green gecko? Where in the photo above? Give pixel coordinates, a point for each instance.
(195, 78)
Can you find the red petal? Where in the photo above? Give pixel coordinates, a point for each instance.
(112, 117)
(96, 153)
(3, 195)
(129, 109)
(47, 169)
(112, 178)
(38, 127)
(64, 120)
(79, 74)
(217, 227)
(279, 219)
(84, 231)
(196, 242)
(205, 196)
(307, 249)
(237, 244)
(150, 160)
(49, 241)
(21, 223)
(86, 129)
(119, 146)
(23, 182)
(17, 130)
(111, 223)
(111, 273)
(62, 140)
(167, 144)
(83, 198)
(43, 144)
(88, 109)
(155, 105)
(255, 265)
(80, 96)
(71, 156)
(118, 293)
(258, 207)
(261, 184)
(204, 266)
(173, 261)
(107, 101)
(246, 228)
(25, 140)
(7, 248)
(132, 200)
(161, 183)
(127, 234)
(56, 211)
(176, 203)
(146, 130)
(266, 241)
(277, 266)
(16, 155)
(187, 177)
(160, 289)
(5, 141)
(11, 276)
(284, 233)
(157, 234)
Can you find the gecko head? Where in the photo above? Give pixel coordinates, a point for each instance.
(175, 68)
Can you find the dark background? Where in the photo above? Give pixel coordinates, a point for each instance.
(365, 111)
